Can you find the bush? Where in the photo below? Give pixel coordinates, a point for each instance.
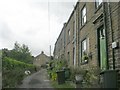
(13, 71)
(90, 76)
(54, 66)
(77, 71)
(54, 76)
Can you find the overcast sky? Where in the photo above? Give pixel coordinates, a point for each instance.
(35, 23)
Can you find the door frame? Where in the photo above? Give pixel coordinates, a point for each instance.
(98, 47)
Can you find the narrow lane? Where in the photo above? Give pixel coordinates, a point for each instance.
(0, 80)
(37, 80)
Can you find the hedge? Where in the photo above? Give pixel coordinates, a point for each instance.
(13, 72)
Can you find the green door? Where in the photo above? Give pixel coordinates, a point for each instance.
(102, 49)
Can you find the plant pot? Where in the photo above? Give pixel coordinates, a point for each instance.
(86, 61)
(79, 78)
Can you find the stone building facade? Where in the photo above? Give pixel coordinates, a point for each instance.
(92, 36)
(41, 59)
(59, 48)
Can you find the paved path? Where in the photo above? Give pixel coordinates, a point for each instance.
(0, 80)
(36, 80)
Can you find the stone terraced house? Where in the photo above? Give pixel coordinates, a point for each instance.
(91, 37)
(41, 60)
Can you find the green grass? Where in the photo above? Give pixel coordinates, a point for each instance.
(65, 85)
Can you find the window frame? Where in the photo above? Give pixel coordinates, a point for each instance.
(86, 47)
(98, 3)
(83, 48)
(83, 17)
(73, 29)
(68, 56)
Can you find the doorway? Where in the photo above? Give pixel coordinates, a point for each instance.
(102, 50)
(74, 57)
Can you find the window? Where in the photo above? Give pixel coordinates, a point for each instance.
(84, 46)
(98, 2)
(74, 30)
(83, 15)
(74, 56)
(68, 35)
(69, 32)
(84, 50)
(68, 57)
(61, 43)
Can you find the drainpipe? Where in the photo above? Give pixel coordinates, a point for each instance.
(111, 29)
(104, 18)
(78, 38)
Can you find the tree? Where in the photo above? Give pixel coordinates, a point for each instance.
(25, 49)
(5, 52)
(20, 53)
(17, 46)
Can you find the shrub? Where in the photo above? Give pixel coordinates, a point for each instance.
(91, 78)
(77, 71)
(13, 71)
(56, 65)
(54, 76)
(90, 75)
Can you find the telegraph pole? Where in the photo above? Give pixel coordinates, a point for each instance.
(50, 50)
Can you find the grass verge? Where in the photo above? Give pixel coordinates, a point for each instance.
(65, 85)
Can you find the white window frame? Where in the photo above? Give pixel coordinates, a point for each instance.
(83, 15)
(84, 48)
(98, 3)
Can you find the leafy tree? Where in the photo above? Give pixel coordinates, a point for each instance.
(17, 47)
(25, 49)
(5, 53)
(20, 53)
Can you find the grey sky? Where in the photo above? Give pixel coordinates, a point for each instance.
(26, 21)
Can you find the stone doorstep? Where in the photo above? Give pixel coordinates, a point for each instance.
(46, 80)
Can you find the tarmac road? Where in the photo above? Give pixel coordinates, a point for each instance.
(37, 80)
